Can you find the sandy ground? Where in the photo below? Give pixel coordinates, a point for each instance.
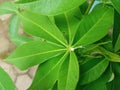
(22, 79)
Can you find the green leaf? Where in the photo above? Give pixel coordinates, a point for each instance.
(115, 84)
(94, 72)
(116, 4)
(117, 45)
(33, 53)
(94, 29)
(47, 73)
(99, 84)
(13, 32)
(116, 68)
(69, 73)
(7, 8)
(113, 57)
(41, 26)
(5, 81)
(116, 31)
(50, 7)
(68, 23)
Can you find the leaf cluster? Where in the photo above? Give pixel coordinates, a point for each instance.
(75, 43)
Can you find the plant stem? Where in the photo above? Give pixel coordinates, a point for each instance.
(89, 7)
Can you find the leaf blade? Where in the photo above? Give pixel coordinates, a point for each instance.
(33, 53)
(88, 33)
(45, 79)
(87, 76)
(52, 7)
(42, 27)
(3, 84)
(69, 74)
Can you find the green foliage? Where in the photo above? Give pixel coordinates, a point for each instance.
(5, 81)
(70, 41)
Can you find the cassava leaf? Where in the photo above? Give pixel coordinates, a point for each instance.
(5, 81)
(94, 29)
(69, 73)
(116, 4)
(94, 72)
(68, 23)
(47, 73)
(50, 7)
(33, 53)
(100, 83)
(41, 26)
(113, 57)
(13, 32)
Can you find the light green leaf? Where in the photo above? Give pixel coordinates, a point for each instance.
(69, 73)
(68, 23)
(13, 32)
(47, 73)
(5, 81)
(92, 27)
(116, 4)
(50, 7)
(94, 72)
(7, 8)
(33, 53)
(41, 26)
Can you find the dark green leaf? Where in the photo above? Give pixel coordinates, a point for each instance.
(94, 72)
(116, 4)
(115, 84)
(116, 31)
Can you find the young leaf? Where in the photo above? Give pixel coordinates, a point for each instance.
(47, 73)
(13, 32)
(7, 8)
(69, 73)
(33, 53)
(94, 29)
(50, 7)
(116, 4)
(5, 81)
(110, 55)
(41, 26)
(94, 72)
